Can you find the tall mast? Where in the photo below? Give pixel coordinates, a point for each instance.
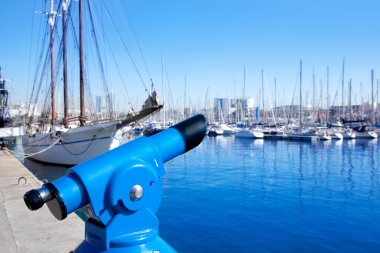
(300, 116)
(320, 98)
(373, 100)
(377, 101)
(343, 90)
(262, 88)
(163, 90)
(52, 15)
(64, 38)
(275, 96)
(243, 102)
(328, 96)
(362, 101)
(313, 104)
(184, 101)
(349, 98)
(82, 117)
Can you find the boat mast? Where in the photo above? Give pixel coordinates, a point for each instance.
(64, 38)
(52, 15)
(377, 101)
(362, 101)
(320, 99)
(262, 94)
(349, 98)
(300, 116)
(82, 117)
(373, 100)
(184, 101)
(163, 90)
(313, 104)
(343, 90)
(243, 101)
(275, 97)
(328, 96)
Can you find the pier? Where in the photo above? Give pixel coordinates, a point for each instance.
(26, 231)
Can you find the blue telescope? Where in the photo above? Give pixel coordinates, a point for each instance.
(121, 191)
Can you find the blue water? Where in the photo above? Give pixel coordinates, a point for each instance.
(236, 195)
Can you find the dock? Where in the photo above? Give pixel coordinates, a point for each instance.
(22, 230)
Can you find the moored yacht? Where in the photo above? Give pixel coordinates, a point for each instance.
(362, 132)
(250, 133)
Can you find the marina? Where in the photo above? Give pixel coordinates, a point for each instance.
(192, 127)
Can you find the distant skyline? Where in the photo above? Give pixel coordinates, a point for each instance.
(208, 44)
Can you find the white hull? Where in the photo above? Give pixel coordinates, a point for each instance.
(348, 135)
(336, 136)
(71, 147)
(250, 134)
(366, 135)
(302, 137)
(309, 136)
(226, 129)
(214, 131)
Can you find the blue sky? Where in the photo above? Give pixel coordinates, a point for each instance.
(210, 42)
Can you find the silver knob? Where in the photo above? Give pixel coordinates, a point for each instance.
(136, 192)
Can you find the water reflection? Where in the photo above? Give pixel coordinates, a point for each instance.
(45, 172)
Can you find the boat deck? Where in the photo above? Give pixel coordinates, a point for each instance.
(23, 230)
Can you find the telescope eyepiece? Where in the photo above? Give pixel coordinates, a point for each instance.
(33, 200)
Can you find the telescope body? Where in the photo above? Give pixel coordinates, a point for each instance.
(121, 190)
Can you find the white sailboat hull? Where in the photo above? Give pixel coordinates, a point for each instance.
(336, 136)
(250, 134)
(348, 135)
(71, 147)
(366, 135)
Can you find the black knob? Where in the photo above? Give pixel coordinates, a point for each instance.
(33, 200)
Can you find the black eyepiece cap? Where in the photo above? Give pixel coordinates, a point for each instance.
(193, 130)
(33, 200)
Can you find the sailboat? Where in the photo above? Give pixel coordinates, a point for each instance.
(306, 134)
(77, 139)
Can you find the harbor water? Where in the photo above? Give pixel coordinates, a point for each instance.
(239, 195)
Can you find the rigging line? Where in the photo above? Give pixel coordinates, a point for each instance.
(336, 95)
(41, 79)
(38, 60)
(99, 62)
(89, 101)
(294, 91)
(135, 37)
(118, 70)
(30, 53)
(269, 98)
(42, 76)
(170, 89)
(126, 48)
(337, 87)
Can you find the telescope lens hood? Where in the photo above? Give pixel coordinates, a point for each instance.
(33, 200)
